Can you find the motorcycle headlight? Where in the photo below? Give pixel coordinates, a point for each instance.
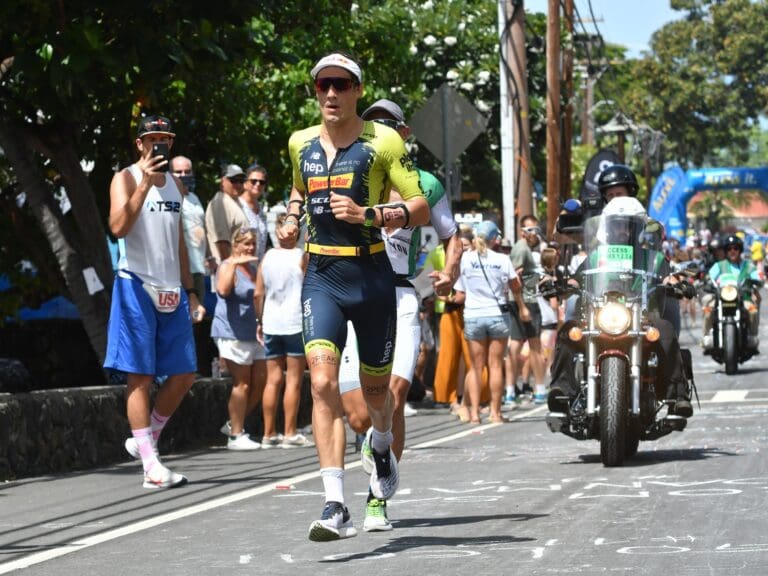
(729, 293)
(614, 318)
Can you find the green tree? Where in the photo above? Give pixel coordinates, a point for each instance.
(73, 78)
(703, 84)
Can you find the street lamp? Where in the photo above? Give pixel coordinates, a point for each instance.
(619, 125)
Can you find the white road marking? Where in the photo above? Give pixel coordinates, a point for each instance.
(129, 529)
(730, 396)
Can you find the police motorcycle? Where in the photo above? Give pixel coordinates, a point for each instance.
(730, 321)
(620, 399)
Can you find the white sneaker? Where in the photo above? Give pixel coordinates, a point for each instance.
(160, 477)
(297, 441)
(132, 447)
(242, 442)
(706, 341)
(526, 399)
(226, 428)
(409, 410)
(268, 442)
(335, 523)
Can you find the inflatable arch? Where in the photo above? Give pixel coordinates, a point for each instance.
(675, 187)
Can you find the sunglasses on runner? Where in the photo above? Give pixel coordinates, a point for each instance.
(339, 84)
(394, 124)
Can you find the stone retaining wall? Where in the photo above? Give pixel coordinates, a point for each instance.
(63, 430)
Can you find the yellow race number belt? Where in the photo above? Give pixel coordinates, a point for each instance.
(344, 250)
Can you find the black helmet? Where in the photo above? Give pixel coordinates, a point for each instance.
(714, 245)
(733, 240)
(618, 175)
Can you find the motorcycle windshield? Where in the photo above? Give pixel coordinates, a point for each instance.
(624, 257)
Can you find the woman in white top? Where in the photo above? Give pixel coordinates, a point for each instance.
(278, 307)
(484, 278)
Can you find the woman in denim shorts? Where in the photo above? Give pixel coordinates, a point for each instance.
(278, 307)
(485, 277)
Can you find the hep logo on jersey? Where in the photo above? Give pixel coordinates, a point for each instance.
(313, 167)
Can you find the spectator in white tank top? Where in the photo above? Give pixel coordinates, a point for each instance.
(153, 299)
(278, 309)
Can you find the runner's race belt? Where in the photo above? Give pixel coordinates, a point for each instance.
(344, 250)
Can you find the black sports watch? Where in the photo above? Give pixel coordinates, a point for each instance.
(370, 217)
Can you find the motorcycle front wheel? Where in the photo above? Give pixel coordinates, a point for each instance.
(632, 438)
(730, 348)
(613, 410)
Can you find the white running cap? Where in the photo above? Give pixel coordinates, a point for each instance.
(341, 61)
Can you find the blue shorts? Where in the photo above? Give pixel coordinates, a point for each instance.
(358, 289)
(488, 327)
(141, 340)
(279, 345)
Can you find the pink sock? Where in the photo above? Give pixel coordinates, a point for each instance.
(158, 423)
(146, 446)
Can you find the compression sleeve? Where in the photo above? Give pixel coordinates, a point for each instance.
(442, 219)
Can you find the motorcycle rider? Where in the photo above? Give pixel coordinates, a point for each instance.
(616, 183)
(743, 269)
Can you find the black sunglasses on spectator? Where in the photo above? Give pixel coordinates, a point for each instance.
(394, 124)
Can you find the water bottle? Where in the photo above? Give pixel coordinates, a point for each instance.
(215, 369)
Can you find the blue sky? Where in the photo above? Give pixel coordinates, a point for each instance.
(627, 22)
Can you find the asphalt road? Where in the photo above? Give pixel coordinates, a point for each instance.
(497, 499)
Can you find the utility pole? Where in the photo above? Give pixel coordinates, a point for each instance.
(506, 123)
(519, 64)
(567, 140)
(553, 114)
(587, 121)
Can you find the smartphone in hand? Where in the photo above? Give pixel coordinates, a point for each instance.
(161, 149)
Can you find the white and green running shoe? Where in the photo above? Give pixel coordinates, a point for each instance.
(366, 453)
(385, 477)
(376, 515)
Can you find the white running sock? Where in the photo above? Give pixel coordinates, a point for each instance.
(380, 441)
(540, 389)
(333, 483)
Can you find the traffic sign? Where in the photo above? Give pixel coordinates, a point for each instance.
(447, 124)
